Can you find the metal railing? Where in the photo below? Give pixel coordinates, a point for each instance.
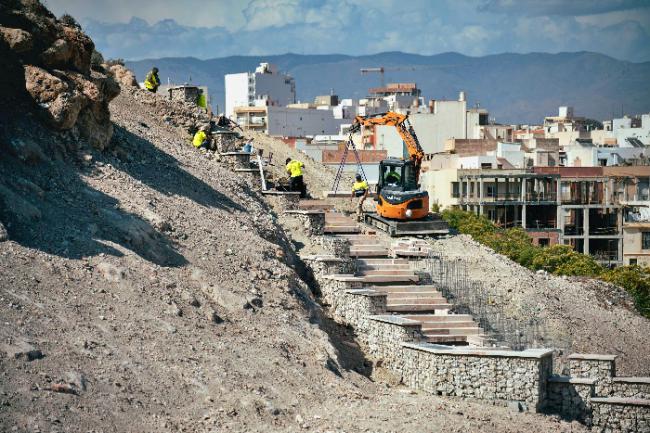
(526, 331)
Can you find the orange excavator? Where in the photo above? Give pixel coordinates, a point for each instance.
(402, 206)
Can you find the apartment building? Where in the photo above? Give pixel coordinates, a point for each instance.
(601, 211)
(266, 86)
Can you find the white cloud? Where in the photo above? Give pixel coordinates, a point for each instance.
(240, 27)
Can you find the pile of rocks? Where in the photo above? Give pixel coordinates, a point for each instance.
(179, 114)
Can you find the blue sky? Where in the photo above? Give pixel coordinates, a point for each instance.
(136, 29)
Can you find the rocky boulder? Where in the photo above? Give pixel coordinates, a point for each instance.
(123, 75)
(56, 82)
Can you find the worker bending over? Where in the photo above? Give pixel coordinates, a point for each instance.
(201, 138)
(296, 183)
(151, 82)
(359, 190)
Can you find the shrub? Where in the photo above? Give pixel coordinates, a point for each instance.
(69, 21)
(515, 244)
(636, 281)
(563, 260)
(96, 58)
(113, 62)
(479, 227)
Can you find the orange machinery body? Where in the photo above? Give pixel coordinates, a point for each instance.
(419, 208)
(402, 199)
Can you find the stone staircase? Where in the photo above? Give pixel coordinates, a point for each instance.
(385, 268)
(336, 223)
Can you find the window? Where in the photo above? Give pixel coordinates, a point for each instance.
(455, 189)
(633, 262)
(645, 240)
(543, 242)
(491, 191)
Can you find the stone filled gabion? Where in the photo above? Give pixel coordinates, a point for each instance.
(337, 246)
(313, 224)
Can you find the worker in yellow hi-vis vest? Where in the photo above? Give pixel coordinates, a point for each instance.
(296, 182)
(152, 81)
(201, 138)
(359, 190)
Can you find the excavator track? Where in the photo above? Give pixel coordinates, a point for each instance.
(432, 225)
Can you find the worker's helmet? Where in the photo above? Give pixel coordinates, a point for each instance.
(154, 70)
(287, 161)
(358, 177)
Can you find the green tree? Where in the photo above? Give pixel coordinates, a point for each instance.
(563, 260)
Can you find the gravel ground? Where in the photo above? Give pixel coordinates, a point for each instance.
(150, 289)
(595, 317)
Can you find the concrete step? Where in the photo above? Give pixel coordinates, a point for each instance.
(368, 252)
(341, 229)
(405, 296)
(370, 243)
(431, 318)
(412, 308)
(413, 300)
(389, 278)
(375, 262)
(452, 331)
(402, 253)
(384, 271)
(449, 324)
(445, 339)
(315, 204)
(406, 288)
(384, 268)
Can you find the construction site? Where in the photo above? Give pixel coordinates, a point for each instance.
(147, 285)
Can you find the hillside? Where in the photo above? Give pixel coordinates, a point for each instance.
(147, 287)
(164, 297)
(515, 88)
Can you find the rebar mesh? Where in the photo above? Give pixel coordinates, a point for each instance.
(469, 296)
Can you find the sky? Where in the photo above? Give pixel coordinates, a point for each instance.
(137, 29)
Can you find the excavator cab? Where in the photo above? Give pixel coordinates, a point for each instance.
(398, 194)
(397, 174)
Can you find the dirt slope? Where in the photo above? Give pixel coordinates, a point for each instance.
(591, 316)
(158, 288)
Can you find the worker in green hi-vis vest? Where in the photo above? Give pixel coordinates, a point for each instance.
(202, 100)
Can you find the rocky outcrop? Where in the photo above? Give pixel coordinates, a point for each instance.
(57, 81)
(123, 75)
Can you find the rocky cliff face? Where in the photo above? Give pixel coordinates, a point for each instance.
(47, 62)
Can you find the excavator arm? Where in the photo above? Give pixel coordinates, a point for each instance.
(404, 129)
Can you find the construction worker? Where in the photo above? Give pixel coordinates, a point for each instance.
(151, 82)
(392, 177)
(201, 100)
(296, 183)
(248, 146)
(201, 138)
(359, 190)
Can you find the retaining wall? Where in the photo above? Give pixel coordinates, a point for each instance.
(592, 394)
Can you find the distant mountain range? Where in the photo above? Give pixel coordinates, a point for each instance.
(515, 88)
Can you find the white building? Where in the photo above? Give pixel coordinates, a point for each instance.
(264, 87)
(626, 127)
(444, 120)
(289, 121)
(583, 153)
